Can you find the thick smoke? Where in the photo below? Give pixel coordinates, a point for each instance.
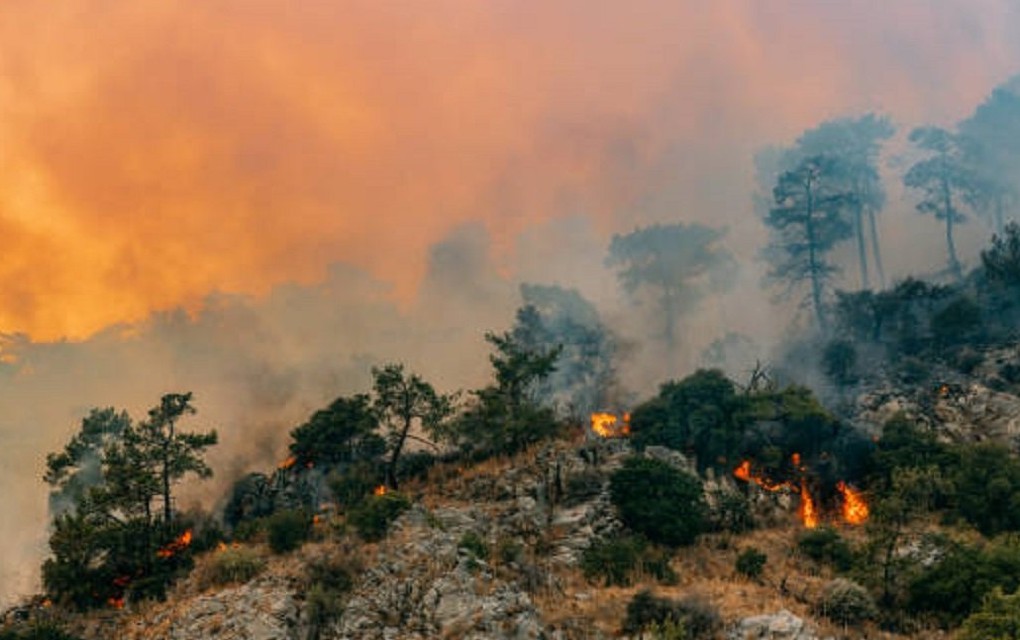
(260, 216)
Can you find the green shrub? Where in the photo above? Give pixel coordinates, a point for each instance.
(330, 578)
(847, 603)
(659, 501)
(509, 551)
(584, 486)
(998, 618)
(288, 529)
(826, 546)
(474, 544)
(38, 630)
(614, 561)
(231, 565)
(372, 518)
(751, 563)
(691, 617)
(730, 512)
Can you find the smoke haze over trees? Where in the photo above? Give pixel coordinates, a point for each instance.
(264, 229)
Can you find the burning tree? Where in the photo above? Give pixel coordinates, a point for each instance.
(109, 541)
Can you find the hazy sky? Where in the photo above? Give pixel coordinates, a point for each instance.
(153, 151)
(324, 184)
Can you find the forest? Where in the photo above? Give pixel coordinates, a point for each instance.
(917, 528)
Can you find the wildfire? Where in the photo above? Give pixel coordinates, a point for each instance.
(807, 511)
(743, 472)
(380, 490)
(855, 509)
(288, 463)
(607, 425)
(174, 547)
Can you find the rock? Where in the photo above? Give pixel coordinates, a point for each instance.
(778, 626)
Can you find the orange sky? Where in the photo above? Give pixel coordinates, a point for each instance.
(153, 151)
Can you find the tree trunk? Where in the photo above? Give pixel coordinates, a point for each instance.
(862, 252)
(167, 510)
(875, 252)
(391, 468)
(947, 204)
(813, 267)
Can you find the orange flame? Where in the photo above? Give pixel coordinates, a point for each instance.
(176, 546)
(380, 490)
(743, 472)
(116, 603)
(855, 509)
(607, 425)
(807, 512)
(288, 463)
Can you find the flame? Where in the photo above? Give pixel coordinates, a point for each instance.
(380, 490)
(116, 603)
(944, 391)
(607, 425)
(122, 581)
(288, 463)
(46, 603)
(855, 509)
(807, 512)
(174, 547)
(743, 472)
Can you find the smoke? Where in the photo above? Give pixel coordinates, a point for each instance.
(258, 200)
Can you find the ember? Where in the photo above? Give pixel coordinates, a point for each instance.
(380, 490)
(174, 547)
(288, 463)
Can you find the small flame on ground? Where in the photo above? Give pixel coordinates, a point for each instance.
(855, 509)
(807, 511)
(380, 490)
(180, 543)
(607, 425)
(116, 603)
(288, 463)
(744, 472)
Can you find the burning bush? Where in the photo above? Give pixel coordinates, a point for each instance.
(659, 501)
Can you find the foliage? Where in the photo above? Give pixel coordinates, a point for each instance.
(504, 418)
(730, 511)
(825, 545)
(614, 561)
(945, 181)
(658, 501)
(953, 587)
(288, 529)
(108, 544)
(678, 264)
(808, 220)
(987, 488)
(585, 374)
(698, 414)
(340, 434)
(847, 602)
(474, 544)
(751, 562)
(372, 517)
(997, 619)
(401, 399)
(840, 362)
(235, 564)
(854, 144)
(36, 630)
(1001, 260)
(330, 578)
(690, 617)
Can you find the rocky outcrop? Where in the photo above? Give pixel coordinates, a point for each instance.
(778, 626)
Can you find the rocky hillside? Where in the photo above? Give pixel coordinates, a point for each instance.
(492, 551)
